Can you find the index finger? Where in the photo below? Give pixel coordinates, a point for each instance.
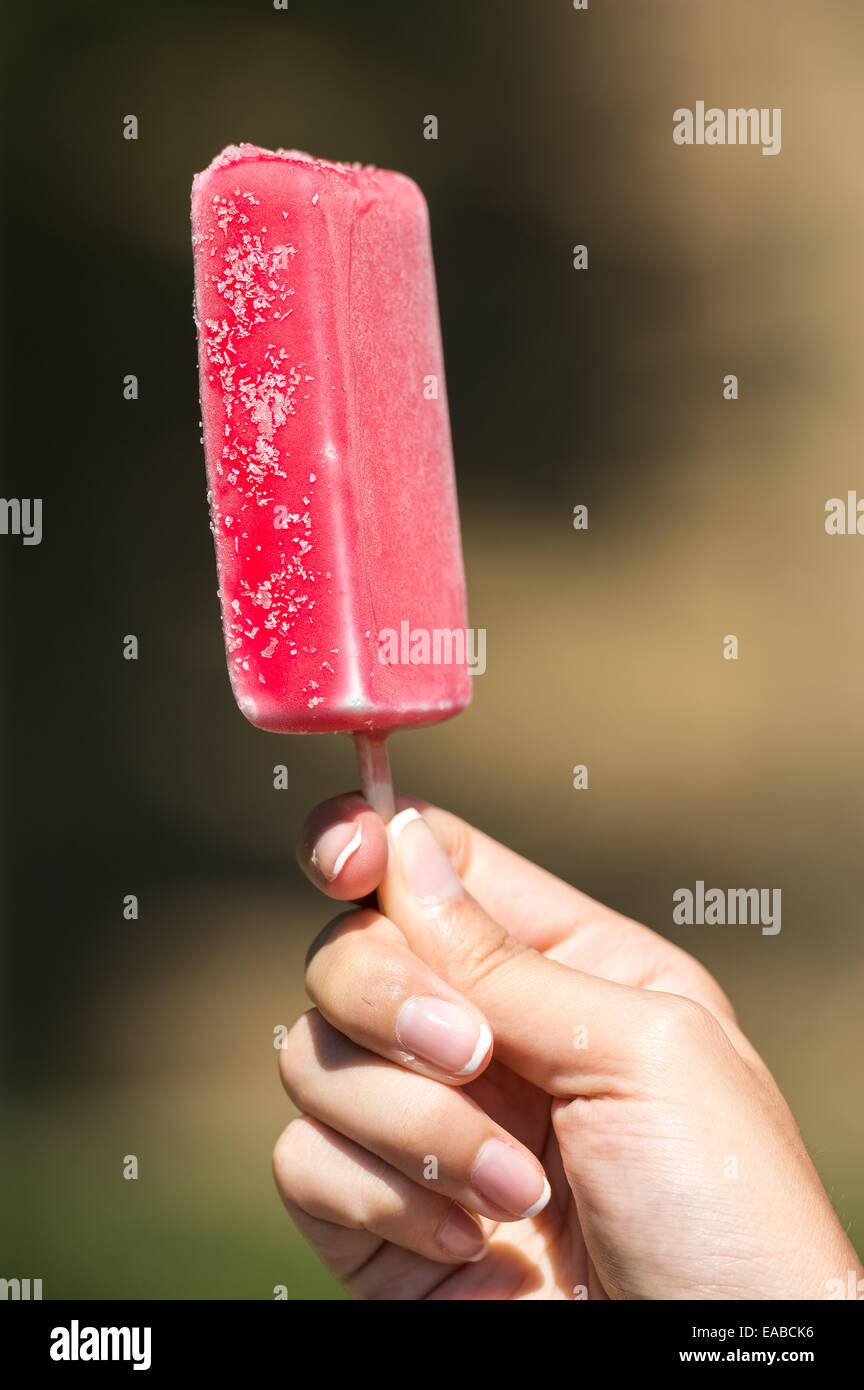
(343, 850)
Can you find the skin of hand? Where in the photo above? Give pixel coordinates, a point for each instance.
(508, 1091)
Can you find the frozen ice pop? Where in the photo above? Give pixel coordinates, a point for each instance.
(327, 444)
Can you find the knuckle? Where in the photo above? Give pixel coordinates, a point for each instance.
(294, 1054)
(676, 1026)
(485, 957)
(311, 1049)
(339, 970)
(301, 1163)
(338, 927)
(290, 1153)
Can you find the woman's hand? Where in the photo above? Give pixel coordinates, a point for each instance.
(510, 1091)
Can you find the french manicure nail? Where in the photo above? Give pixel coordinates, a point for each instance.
(442, 1033)
(460, 1235)
(335, 848)
(509, 1180)
(427, 871)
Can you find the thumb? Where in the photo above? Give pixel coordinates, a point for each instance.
(582, 1038)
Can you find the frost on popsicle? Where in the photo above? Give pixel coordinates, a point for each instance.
(257, 384)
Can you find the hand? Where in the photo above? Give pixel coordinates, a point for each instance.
(619, 1138)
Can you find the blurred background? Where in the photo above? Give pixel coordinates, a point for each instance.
(155, 1037)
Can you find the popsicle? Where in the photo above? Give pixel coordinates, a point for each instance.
(328, 454)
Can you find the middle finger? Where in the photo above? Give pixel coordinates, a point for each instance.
(432, 1133)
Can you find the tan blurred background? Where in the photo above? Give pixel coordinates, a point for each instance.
(154, 1038)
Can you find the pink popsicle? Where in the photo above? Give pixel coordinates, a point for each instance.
(327, 442)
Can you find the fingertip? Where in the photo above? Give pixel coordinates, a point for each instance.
(343, 848)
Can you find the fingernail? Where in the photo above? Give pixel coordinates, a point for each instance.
(427, 871)
(335, 848)
(509, 1180)
(443, 1033)
(460, 1235)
